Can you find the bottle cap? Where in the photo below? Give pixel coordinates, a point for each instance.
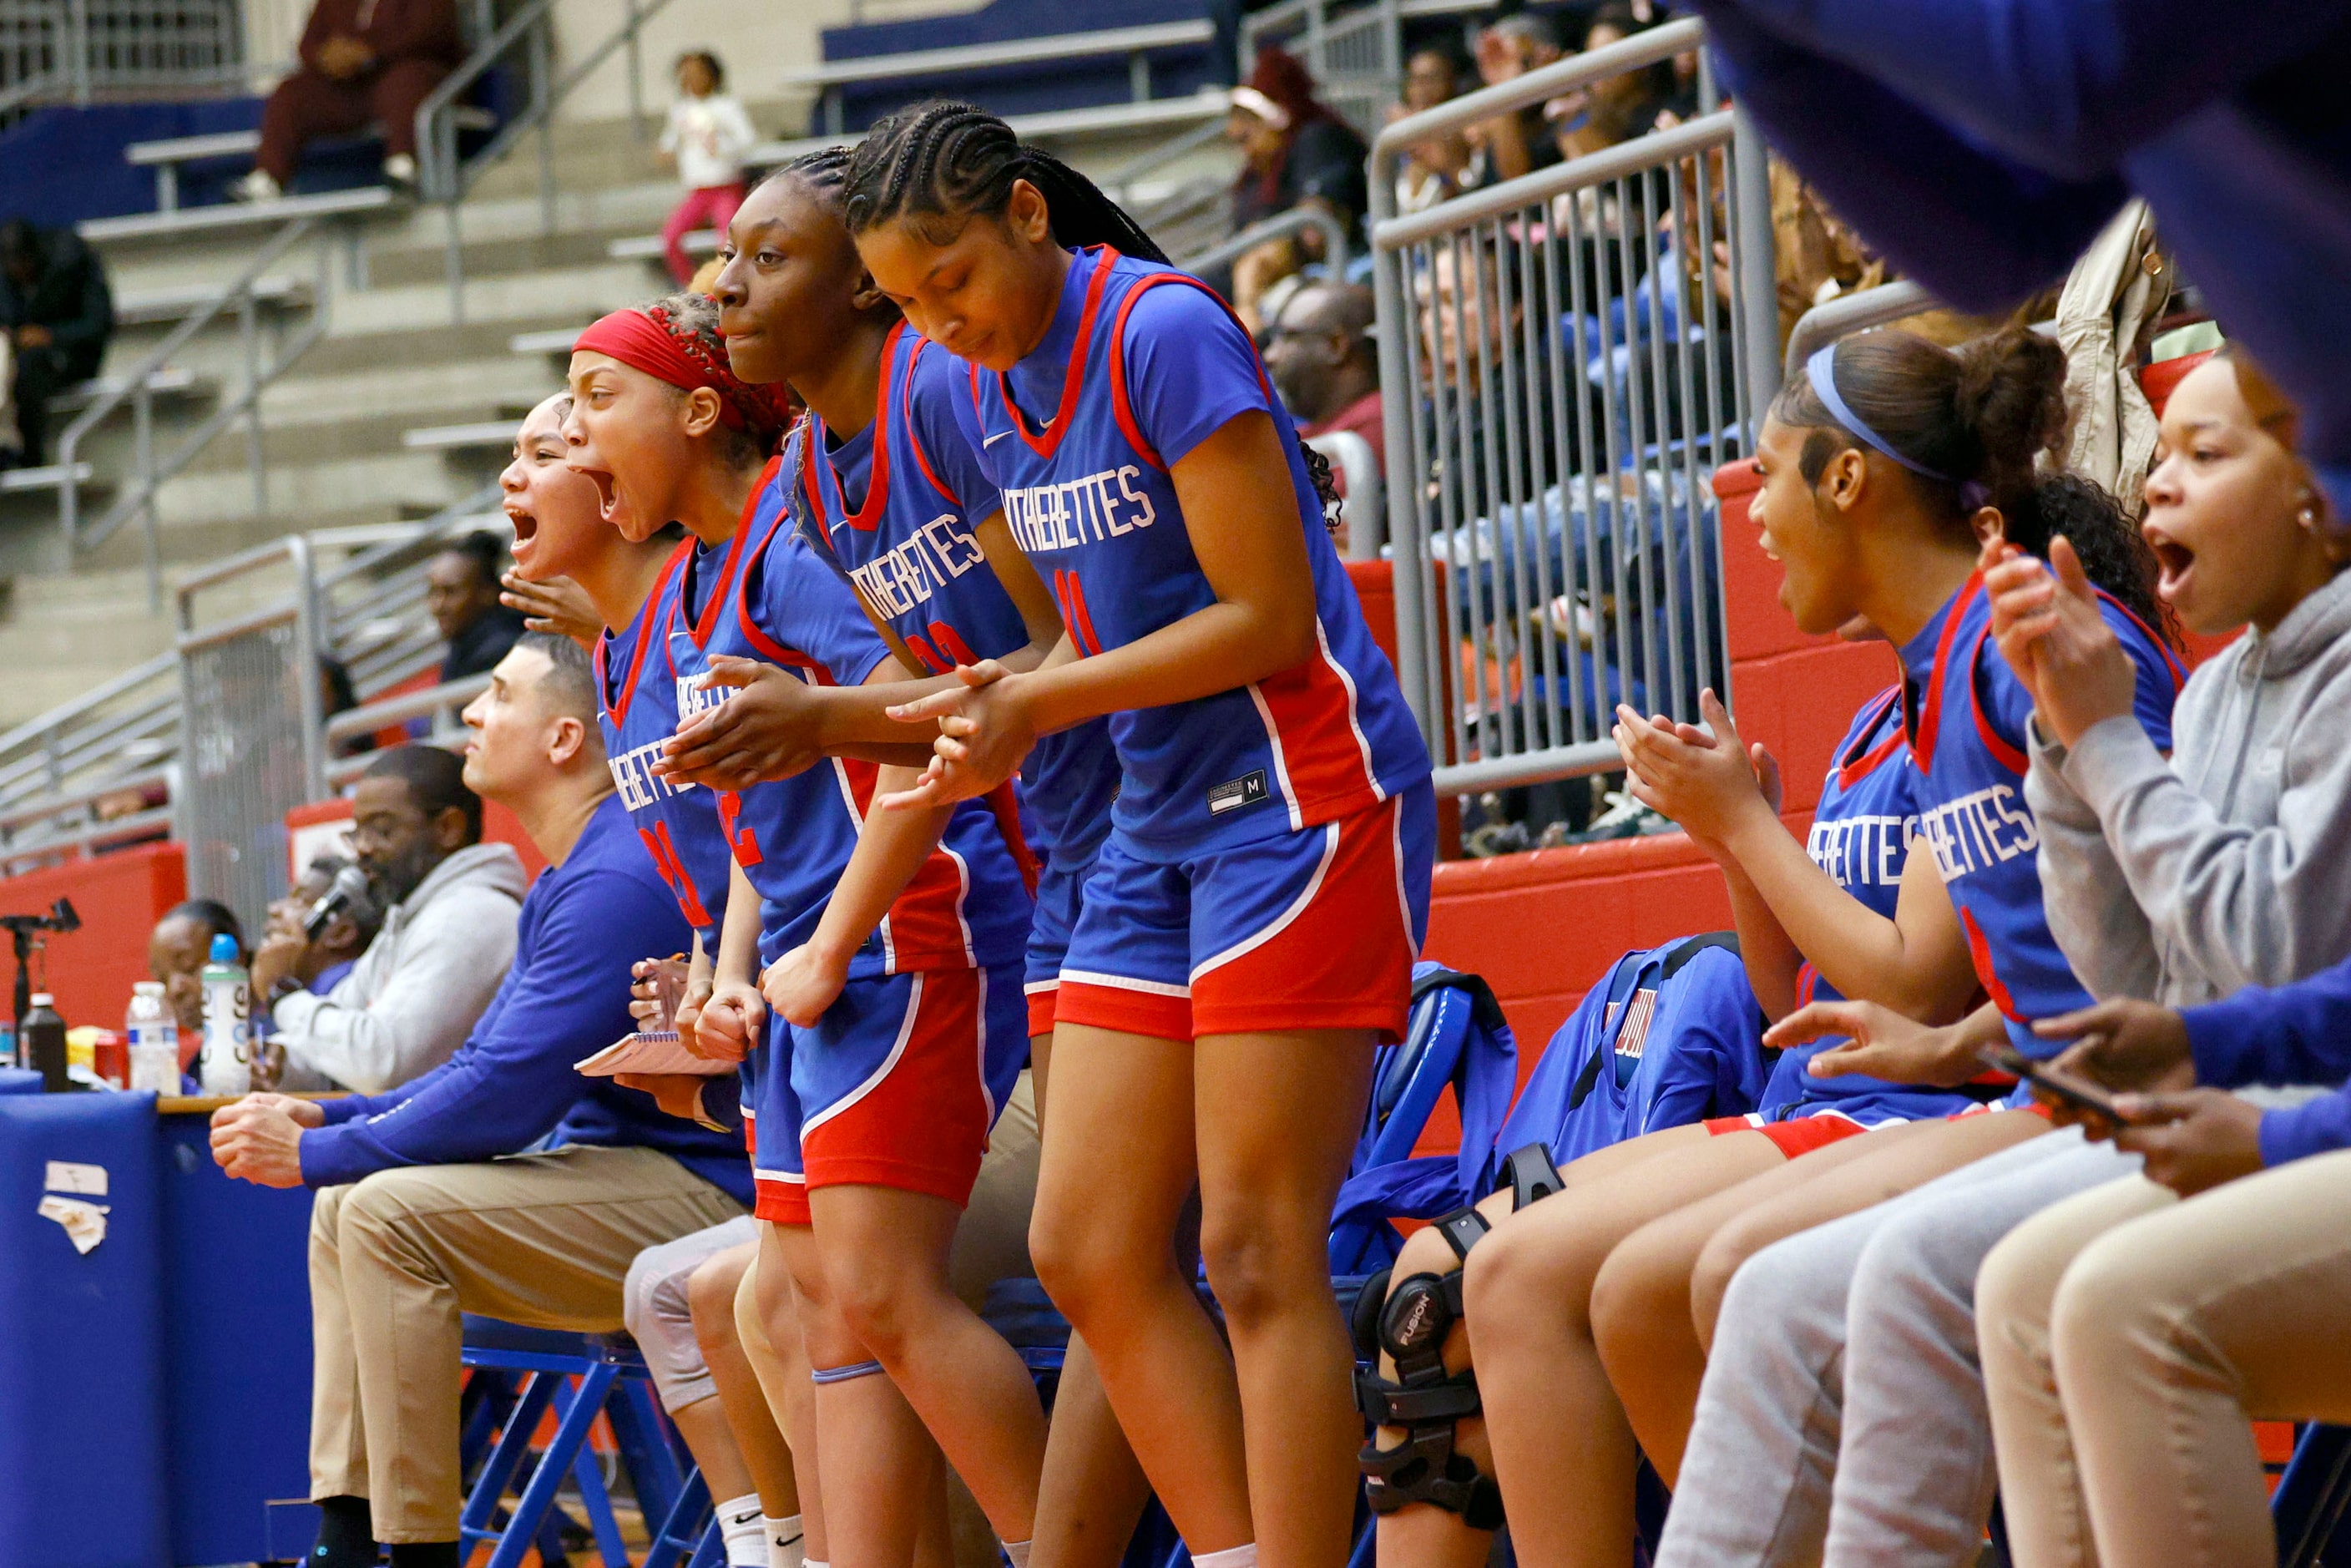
(42, 1000)
(146, 988)
(224, 948)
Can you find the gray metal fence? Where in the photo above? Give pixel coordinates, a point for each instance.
(1567, 361)
(251, 748)
(73, 51)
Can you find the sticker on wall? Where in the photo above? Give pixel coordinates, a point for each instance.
(65, 1176)
(85, 1221)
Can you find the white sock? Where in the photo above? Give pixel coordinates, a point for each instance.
(1238, 1557)
(1017, 1552)
(784, 1543)
(740, 1527)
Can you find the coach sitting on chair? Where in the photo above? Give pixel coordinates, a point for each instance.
(420, 1216)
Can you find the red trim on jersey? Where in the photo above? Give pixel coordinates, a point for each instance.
(1980, 951)
(1930, 709)
(700, 630)
(1851, 770)
(1794, 1139)
(2171, 659)
(927, 929)
(2007, 756)
(1073, 374)
(1119, 404)
(923, 1126)
(1071, 592)
(1147, 1013)
(1312, 706)
(913, 432)
(769, 649)
(1041, 1010)
(1004, 803)
(654, 611)
(867, 517)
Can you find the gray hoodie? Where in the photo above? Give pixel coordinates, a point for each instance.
(414, 995)
(2226, 866)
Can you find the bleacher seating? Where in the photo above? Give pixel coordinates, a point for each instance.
(167, 155)
(364, 201)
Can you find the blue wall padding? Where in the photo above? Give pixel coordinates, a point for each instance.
(19, 1080)
(81, 1418)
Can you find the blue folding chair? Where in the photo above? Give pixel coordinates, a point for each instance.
(578, 1377)
(2312, 1499)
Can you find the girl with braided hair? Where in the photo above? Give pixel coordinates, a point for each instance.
(869, 1120)
(1251, 921)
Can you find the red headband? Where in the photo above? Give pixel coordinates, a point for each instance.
(638, 339)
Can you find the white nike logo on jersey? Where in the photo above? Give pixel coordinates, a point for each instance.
(992, 440)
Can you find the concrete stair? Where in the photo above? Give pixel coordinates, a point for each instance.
(392, 360)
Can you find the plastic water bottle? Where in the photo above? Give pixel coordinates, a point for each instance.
(226, 1068)
(43, 1034)
(154, 1036)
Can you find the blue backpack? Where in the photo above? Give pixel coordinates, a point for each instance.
(1670, 1036)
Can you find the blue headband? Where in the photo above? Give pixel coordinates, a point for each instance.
(1820, 371)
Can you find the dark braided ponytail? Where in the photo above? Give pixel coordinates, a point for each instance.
(939, 163)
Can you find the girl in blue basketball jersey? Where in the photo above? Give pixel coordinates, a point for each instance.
(1250, 923)
(869, 1123)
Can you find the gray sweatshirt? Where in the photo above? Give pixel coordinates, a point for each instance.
(414, 995)
(2230, 865)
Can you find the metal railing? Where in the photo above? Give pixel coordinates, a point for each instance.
(1826, 323)
(1567, 359)
(1355, 53)
(242, 296)
(444, 177)
(1281, 226)
(77, 51)
(58, 771)
(441, 704)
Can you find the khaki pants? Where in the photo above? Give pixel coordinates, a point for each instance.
(2129, 1339)
(540, 1239)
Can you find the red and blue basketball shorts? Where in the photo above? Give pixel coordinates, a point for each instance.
(898, 1086)
(1313, 929)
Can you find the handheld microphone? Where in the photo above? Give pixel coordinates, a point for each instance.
(350, 887)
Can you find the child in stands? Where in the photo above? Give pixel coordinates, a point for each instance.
(706, 138)
(1250, 924)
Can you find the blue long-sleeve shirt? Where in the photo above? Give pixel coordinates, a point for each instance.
(2299, 1033)
(1981, 143)
(583, 925)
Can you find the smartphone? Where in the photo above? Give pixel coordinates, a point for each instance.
(2073, 1090)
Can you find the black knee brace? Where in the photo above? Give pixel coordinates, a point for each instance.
(1410, 1324)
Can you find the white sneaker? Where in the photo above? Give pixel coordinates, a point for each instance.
(257, 186)
(400, 171)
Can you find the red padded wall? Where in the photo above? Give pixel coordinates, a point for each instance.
(119, 896)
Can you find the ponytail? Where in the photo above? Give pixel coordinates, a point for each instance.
(950, 161)
(1971, 426)
(939, 164)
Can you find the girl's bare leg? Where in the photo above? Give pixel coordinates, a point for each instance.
(1119, 1167)
(763, 1457)
(1277, 1117)
(766, 1319)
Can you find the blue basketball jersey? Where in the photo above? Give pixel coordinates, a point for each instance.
(907, 541)
(1965, 713)
(793, 837)
(1861, 835)
(683, 826)
(1088, 495)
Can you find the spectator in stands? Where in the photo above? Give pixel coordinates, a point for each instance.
(56, 316)
(1295, 151)
(428, 1206)
(448, 933)
(1326, 365)
(176, 953)
(461, 590)
(1615, 109)
(704, 140)
(1519, 142)
(1431, 171)
(362, 62)
(322, 965)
